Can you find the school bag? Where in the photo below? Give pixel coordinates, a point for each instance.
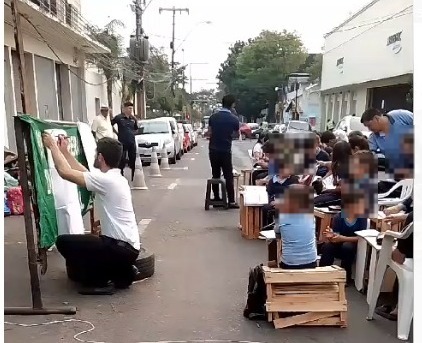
(257, 295)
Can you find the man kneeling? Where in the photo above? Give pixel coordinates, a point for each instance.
(95, 261)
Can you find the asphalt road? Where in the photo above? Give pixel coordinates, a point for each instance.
(199, 289)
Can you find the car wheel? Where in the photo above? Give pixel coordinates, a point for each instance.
(172, 160)
(179, 155)
(145, 264)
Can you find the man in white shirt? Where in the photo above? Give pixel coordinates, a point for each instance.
(101, 126)
(97, 260)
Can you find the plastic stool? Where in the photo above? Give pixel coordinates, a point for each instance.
(208, 201)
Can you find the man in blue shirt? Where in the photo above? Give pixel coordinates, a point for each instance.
(389, 131)
(221, 127)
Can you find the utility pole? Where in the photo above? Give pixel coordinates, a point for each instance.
(173, 37)
(140, 95)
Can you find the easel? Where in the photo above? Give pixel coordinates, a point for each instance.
(22, 139)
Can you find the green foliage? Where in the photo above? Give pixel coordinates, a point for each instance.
(252, 70)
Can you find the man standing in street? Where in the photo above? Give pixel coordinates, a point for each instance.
(221, 127)
(127, 126)
(101, 126)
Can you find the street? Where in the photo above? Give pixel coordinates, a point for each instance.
(199, 288)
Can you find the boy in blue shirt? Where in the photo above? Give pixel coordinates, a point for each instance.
(341, 239)
(296, 228)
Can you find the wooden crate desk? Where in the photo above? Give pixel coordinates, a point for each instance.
(317, 294)
(247, 176)
(252, 198)
(324, 216)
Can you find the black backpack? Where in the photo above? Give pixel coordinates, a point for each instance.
(257, 295)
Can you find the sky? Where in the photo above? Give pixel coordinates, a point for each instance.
(211, 27)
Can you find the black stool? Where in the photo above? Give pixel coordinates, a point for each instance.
(221, 203)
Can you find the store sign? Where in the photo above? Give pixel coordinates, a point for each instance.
(394, 42)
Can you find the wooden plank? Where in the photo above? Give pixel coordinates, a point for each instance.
(318, 277)
(342, 297)
(315, 306)
(269, 292)
(301, 319)
(309, 297)
(332, 321)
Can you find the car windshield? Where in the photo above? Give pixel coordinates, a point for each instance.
(299, 125)
(356, 125)
(151, 127)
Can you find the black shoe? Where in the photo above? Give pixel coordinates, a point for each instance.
(233, 205)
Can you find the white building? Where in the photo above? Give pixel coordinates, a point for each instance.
(368, 61)
(59, 85)
(309, 103)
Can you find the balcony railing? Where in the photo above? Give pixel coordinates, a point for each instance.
(63, 11)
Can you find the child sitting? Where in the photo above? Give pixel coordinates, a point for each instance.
(341, 239)
(297, 228)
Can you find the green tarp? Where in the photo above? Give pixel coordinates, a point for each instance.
(43, 187)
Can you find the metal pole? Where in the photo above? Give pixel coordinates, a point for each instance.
(173, 38)
(190, 78)
(140, 95)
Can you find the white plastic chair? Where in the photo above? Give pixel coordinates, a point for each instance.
(406, 192)
(405, 277)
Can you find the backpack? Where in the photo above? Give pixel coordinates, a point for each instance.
(257, 295)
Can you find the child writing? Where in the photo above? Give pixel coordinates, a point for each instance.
(297, 228)
(341, 239)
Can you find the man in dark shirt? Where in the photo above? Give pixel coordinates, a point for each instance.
(221, 127)
(127, 126)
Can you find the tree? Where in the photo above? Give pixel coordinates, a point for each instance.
(110, 63)
(253, 70)
(313, 66)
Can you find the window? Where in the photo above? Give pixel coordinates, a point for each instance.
(69, 14)
(151, 127)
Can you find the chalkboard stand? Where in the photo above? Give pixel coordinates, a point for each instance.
(22, 139)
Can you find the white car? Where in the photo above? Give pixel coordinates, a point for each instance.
(156, 133)
(297, 126)
(181, 133)
(348, 124)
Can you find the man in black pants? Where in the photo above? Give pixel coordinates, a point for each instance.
(127, 127)
(221, 127)
(94, 261)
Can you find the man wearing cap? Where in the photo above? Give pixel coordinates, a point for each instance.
(101, 126)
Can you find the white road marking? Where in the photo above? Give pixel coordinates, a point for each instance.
(142, 225)
(192, 159)
(196, 153)
(172, 185)
(180, 168)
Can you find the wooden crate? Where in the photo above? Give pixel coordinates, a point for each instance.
(317, 295)
(246, 176)
(250, 219)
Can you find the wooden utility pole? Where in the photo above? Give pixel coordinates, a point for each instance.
(173, 38)
(140, 95)
(21, 55)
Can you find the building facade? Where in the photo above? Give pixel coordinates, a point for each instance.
(368, 61)
(60, 87)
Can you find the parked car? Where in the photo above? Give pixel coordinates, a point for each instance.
(193, 135)
(245, 131)
(348, 124)
(157, 133)
(297, 126)
(176, 135)
(181, 132)
(187, 143)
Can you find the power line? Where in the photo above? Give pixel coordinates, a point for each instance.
(393, 16)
